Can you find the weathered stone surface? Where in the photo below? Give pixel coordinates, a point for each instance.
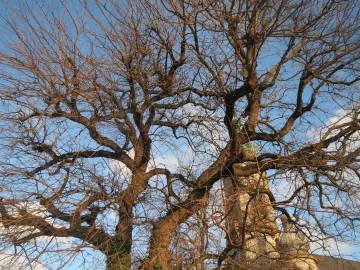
(257, 242)
(294, 247)
(252, 231)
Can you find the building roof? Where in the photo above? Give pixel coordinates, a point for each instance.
(330, 263)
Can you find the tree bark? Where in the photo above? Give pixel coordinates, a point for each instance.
(118, 253)
(120, 260)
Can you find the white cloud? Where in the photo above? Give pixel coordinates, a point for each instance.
(333, 247)
(18, 262)
(168, 161)
(341, 118)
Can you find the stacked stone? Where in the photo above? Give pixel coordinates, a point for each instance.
(252, 231)
(294, 248)
(256, 241)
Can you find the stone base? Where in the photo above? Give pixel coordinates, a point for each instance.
(305, 262)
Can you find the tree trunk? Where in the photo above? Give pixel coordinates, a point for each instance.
(118, 253)
(159, 255)
(120, 260)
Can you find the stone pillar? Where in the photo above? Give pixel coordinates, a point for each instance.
(294, 248)
(255, 239)
(250, 222)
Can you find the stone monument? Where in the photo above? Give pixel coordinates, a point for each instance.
(293, 247)
(255, 240)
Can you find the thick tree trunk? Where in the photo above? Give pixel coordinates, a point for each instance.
(120, 260)
(159, 255)
(118, 250)
(118, 253)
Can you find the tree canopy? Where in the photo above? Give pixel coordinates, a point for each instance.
(119, 119)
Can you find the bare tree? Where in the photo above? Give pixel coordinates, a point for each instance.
(98, 97)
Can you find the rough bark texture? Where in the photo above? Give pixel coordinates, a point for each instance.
(118, 260)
